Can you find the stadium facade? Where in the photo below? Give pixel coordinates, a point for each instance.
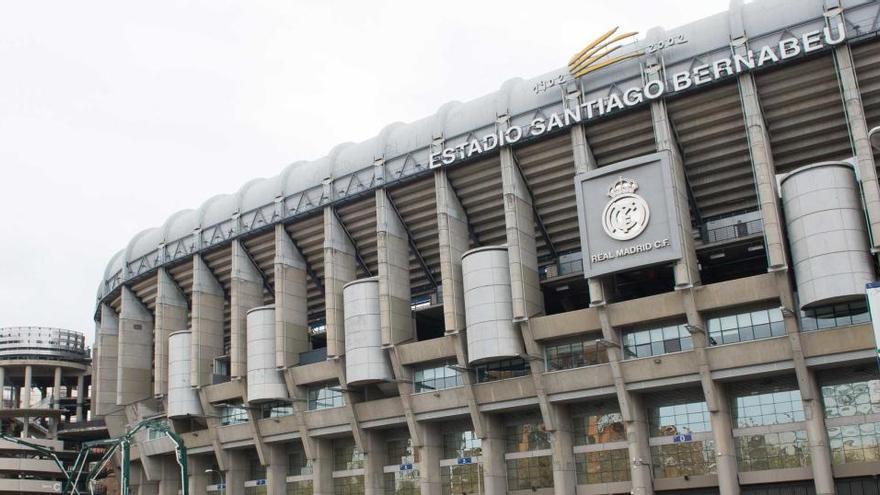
(45, 375)
(642, 273)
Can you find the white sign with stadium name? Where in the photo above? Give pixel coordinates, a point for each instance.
(787, 48)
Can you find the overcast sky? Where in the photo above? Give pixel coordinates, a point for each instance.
(114, 115)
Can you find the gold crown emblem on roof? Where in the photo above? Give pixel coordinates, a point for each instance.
(594, 56)
(622, 186)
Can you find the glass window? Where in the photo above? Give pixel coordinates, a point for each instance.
(855, 443)
(788, 449)
(585, 351)
(436, 377)
(256, 470)
(402, 483)
(465, 479)
(745, 326)
(233, 414)
(683, 459)
(297, 463)
(529, 473)
(604, 466)
(656, 341)
(348, 485)
(528, 436)
(757, 404)
(304, 487)
(346, 456)
(835, 315)
(681, 416)
(325, 397)
(400, 451)
(275, 409)
(460, 443)
(860, 395)
(499, 370)
(594, 424)
(255, 490)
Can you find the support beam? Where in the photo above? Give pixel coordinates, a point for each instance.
(357, 253)
(374, 463)
(212, 418)
(207, 322)
(291, 300)
(430, 453)
(276, 471)
(246, 287)
(135, 363)
(313, 275)
(171, 316)
(322, 467)
(339, 269)
(393, 248)
(299, 401)
(412, 244)
(538, 220)
(80, 398)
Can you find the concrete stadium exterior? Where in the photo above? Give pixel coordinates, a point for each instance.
(647, 279)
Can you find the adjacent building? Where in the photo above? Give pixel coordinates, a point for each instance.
(649, 278)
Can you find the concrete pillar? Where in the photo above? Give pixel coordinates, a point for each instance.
(80, 397)
(171, 316)
(374, 463)
(820, 455)
(276, 471)
(392, 242)
(246, 288)
(858, 128)
(637, 435)
(56, 402)
(198, 478)
(135, 350)
(322, 467)
(687, 272)
(562, 442)
(169, 484)
(2, 387)
(104, 365)
(430, 453)
(291, 301)
(494, 465)
(339, 269)
(207, 322)
(26, 398)
(237, 472)
(519, 216)
(452, 229)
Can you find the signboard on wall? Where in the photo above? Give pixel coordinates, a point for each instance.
(627, 215)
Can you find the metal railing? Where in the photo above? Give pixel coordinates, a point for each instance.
(735, 231)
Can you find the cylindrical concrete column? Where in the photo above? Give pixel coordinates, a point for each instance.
(2, 387)
(365, 360)
(827, 233)
(80, 397)
(488, 305)
(183, 399)
(264, 381)
(26, 398)
(56, 389)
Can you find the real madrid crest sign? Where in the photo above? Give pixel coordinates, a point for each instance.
(627, 214)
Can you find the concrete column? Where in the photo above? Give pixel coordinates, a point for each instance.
(764, 169)
(374, 462)
(171, 316)
(430, 453)
(322, 467)
(291, 301)
(392, 242)
(198, 478)
(56, 402)
(452, 229)
(276, 471)
(237, 472)
(104, 364)
(80, 397)
(820, 455)
(2, 387)
(339, 269)
(494, 465)
(246, 288)
(562, 442)
(637, 435)
(687, 272)
(26, 398)
(169, 484)
(207, 322)
(135, 350)
(528, 300)
(858, 128)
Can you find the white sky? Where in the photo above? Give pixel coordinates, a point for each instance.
(114, 115)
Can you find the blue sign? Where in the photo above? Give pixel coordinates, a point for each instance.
(683, 437)
(465, 460)
(261, 482)
(406, 467)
